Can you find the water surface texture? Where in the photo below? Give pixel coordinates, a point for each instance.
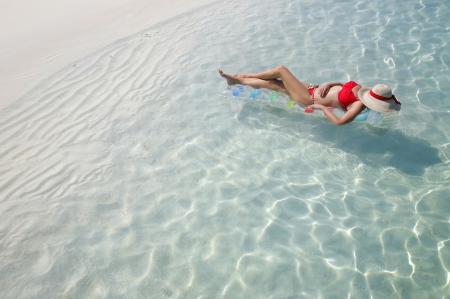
(125, 175)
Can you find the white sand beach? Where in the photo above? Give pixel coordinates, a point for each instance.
(37, 38)
(129, 169)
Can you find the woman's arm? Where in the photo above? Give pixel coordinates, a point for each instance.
(349, 116)
(323, 90)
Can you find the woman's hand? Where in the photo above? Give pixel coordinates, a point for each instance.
(323, 91)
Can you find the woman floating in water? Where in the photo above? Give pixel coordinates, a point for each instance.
(350, 97)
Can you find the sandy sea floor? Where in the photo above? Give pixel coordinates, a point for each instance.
(37, 39)
(125, 174)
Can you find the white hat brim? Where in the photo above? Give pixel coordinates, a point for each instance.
(386, 107)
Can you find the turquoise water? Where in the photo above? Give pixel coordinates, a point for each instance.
(125, 175)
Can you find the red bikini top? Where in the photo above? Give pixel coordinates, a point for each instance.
(346, 95)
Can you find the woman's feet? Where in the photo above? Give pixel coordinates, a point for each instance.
(230, 79)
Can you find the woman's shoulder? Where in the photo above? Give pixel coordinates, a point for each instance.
(357, 106)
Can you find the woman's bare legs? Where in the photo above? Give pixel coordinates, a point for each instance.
(249, 75)
(272, 84)
(296, 89)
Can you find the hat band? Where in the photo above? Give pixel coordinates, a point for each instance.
(378, 97)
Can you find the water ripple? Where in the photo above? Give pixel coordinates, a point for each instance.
(124, 175)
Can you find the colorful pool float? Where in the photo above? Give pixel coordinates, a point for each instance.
(281, 100)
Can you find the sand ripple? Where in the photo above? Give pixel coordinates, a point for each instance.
(124, 175)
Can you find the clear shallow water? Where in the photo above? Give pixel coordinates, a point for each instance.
(125, 175)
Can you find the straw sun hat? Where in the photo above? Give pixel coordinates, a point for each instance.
(379, 98)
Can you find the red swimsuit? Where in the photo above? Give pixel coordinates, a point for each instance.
(346, 95)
